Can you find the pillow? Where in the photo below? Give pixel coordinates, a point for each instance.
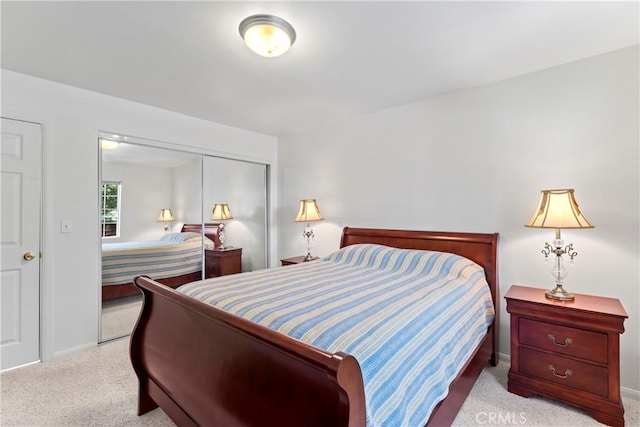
(187, 236)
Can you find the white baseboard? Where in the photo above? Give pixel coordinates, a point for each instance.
(630, 393)
(21, 366)
(70, 351)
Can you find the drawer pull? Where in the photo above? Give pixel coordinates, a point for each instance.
(567, 373)
(567, 341)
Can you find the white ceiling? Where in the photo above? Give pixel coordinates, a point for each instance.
(349, 57)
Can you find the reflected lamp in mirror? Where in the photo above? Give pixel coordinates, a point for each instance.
(307, 212)
(558, 209)
(221, 212)
(165, 216)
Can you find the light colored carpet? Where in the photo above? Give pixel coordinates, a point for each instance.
(97, 387)
(119, 316)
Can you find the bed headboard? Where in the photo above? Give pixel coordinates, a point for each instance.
(211, 230)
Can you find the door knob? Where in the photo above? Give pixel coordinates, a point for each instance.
(29, 256)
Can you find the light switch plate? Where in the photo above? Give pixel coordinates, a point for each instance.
(65, 226)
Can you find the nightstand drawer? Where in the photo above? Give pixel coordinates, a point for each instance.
(565, 371)
(576, 342)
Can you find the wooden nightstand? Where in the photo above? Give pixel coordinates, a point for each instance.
(220, 262)
(567, 350)
(295, 260)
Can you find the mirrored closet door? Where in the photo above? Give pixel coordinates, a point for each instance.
(147, 195)
(152, 200)
(239, 188)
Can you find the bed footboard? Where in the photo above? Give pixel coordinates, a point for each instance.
(203, 366)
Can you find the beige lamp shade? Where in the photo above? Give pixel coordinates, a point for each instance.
(558, 209)
(165, 216)
(308, 211)
(221, 212)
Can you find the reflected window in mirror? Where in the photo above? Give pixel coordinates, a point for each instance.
(110, 208)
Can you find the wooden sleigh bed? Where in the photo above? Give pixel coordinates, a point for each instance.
(126, 289)
(203, 366)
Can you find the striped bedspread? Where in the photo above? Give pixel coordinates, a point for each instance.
(173, 255)
(411, 318)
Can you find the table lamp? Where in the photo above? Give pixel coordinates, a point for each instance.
(558, 209)
(308, 212)
(221, 213)
(165, 216)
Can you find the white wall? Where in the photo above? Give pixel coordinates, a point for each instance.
(72, 120)
(187, 194)
(475, 160)
(144, 191)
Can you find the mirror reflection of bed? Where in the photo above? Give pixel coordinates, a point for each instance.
(153, 179)
(174, 259)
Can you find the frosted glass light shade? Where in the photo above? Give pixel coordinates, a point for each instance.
(558, 209)
(308, 211)
(267, 35)
(221, 212)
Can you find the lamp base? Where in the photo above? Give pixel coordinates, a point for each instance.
(559, 294)
(309, 257)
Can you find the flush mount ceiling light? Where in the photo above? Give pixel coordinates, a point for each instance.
(267, 35)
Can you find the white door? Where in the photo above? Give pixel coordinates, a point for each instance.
(20, 183)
